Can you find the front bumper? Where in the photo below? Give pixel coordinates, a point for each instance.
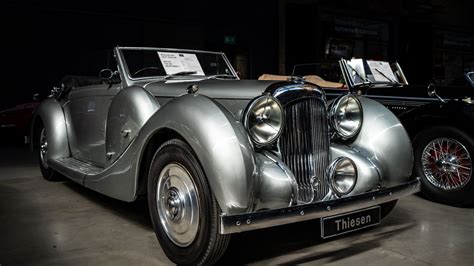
(269, 218)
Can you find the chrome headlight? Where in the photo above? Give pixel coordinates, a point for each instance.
(264, 120)
(346, 116)
(342, 175)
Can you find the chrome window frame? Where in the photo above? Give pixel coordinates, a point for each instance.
(468, 77)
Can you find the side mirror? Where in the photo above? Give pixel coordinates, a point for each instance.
(106, 74)
(432, 92)
(109, 76)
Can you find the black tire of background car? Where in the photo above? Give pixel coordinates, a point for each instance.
(209, 245)
(461, 197)
(48, 173)
(386, 208)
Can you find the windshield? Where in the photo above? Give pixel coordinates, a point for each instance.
(167, 63)
(361, 72)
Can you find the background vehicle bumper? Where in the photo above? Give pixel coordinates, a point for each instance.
(269, 218)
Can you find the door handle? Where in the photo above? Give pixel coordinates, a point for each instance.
(125, 132)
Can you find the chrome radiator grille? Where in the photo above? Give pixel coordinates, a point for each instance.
(304, 147)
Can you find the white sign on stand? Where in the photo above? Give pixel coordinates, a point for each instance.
(179, 62)
(381, 71)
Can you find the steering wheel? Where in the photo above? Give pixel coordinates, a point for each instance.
(144, 69)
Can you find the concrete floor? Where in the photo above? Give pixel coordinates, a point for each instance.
(62, 223)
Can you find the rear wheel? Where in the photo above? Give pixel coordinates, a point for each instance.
(443, 160)
(184, 212)
(47, 172)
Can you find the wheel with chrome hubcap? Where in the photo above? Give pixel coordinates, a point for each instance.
(184, 212)
(443, 158)
(47, 172)
(178, 204)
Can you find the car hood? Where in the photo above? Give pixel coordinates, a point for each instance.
(216, 89)
(234, 95)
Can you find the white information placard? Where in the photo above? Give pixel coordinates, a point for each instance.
(178, 62)
(381, 71)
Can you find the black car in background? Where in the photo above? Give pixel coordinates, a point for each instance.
(439, 120)
(442, 132)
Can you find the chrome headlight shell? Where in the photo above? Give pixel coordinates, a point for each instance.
(346, 116)
(264, 120)
(342, 176)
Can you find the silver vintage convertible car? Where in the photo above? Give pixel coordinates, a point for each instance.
(217, 155)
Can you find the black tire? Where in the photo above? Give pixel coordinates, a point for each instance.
(208, 244)
(386, 208)
(456, 197)
(47, 172)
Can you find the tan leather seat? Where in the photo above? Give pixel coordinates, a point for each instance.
(310, 78)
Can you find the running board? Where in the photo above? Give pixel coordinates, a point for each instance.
(74, 169)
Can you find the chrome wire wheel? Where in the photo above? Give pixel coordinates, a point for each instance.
(446, 164)
(43, 152)
(178, 204)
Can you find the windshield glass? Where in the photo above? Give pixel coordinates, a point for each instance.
(152, 63)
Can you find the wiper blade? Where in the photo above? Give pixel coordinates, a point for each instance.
(385, 76)
(181, 73)
(222, 76)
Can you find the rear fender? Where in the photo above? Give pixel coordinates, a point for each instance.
(51, 114)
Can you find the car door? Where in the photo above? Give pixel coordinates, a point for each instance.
(87, 109)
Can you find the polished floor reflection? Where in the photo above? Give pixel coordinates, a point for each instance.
(62, 223)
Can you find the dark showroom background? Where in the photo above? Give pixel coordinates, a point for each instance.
(432, 40)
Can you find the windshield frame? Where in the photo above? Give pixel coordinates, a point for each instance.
(125, 73)
(346, 70)
(469, 79)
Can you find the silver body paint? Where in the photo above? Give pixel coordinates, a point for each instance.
(100, 134)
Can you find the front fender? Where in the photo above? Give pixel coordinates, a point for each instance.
(51, 114)
(385, 142)
(220, 143)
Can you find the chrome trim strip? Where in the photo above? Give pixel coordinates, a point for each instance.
(402, 75)
(166, 49)
(263, 219)
(400, 98)
(8, 126)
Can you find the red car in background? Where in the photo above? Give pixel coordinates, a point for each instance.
(17, 121)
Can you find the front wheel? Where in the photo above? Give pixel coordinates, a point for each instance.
(443, 160)
(184, 212)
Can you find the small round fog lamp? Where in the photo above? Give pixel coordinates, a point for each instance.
(342, 176)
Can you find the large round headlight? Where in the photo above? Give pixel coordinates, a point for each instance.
(264, 120)
(346, 116)
(342, 175)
